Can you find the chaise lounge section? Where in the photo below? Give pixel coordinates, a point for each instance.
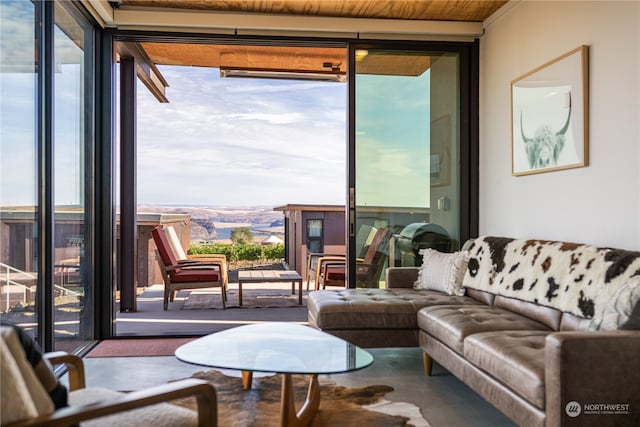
(541, 326)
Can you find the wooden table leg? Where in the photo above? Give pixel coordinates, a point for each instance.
(302, 418)
(300, 292)
(240, 293)
(247, 378)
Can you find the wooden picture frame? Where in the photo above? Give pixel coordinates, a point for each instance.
(550, 115)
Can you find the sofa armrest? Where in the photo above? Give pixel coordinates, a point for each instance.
(401, 277)
(589, 368)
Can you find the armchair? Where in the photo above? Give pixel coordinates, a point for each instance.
(25, 401)
(179, 276)
(200, 259)
(312, 264)
(331, 270)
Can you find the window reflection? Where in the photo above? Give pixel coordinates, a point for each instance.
(73, 135)
(18, 171)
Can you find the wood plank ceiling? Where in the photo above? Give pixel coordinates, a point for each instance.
(432, 10)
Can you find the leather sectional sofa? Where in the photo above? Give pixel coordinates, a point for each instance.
(544, 331)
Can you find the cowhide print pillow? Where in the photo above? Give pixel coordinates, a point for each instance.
(573, 278)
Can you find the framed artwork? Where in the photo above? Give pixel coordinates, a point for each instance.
(550, 115)
(440, 155)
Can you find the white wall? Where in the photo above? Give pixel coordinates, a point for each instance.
(598, 204)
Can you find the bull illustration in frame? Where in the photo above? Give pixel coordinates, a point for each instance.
(549, 117)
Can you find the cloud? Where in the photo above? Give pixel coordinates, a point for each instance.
(241, 141)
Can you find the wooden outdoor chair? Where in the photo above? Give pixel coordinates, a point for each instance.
(198, 259)
(312, 263)
(179, 276)
(27, 401)
(331, 270)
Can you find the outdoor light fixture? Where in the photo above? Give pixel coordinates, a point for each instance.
(333, 75)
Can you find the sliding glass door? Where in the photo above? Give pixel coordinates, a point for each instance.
(47, 173)
(73, 179)
(405, 154)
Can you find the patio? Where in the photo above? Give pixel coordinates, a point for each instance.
(151, 320)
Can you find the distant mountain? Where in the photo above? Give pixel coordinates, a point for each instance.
(216, 223)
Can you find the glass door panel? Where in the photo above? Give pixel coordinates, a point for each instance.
(73, 133)
(406, 194)
(18, 165)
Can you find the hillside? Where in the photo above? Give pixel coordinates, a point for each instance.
(216, 223)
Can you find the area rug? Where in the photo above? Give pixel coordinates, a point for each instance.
(139, 347)
(339, 406)
(251, 298)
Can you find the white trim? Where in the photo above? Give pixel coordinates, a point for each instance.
(253, 23)
(101, 11)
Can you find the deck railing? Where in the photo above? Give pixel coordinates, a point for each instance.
(14, 277)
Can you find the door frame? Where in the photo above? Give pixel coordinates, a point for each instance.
(468, 130)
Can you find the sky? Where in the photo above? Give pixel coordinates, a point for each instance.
(241, 142)
(222, 141)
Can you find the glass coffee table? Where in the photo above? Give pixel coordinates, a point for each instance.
(284, 348)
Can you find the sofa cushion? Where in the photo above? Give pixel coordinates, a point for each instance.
(185, 275)
(451, 324)
(161, 414)
(374, 308)
(573, 278)
(442, 271)
(486, 298)
(515, 358)
(547, 315)
(569, 322)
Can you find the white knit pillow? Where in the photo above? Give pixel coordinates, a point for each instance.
(620, 306)
(16, 403)
(442, 271)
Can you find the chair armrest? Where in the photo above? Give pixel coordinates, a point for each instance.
(401, 277)
(205, 256)
(334, 259)
(318, 256)
(201, 265)
(589, 367)
(321, 254)
(203, 391)
(74, 364)
(194, 261)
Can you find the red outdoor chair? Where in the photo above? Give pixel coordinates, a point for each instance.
(331, 270)
(179, 276)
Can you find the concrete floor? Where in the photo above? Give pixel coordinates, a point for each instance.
(443, 400)
(151, 320)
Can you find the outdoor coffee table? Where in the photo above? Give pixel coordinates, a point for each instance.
(284, 348)
(270, 276)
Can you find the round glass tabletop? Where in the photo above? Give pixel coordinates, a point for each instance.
(275, 347)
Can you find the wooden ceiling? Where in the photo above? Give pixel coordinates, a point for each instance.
(435, 10)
